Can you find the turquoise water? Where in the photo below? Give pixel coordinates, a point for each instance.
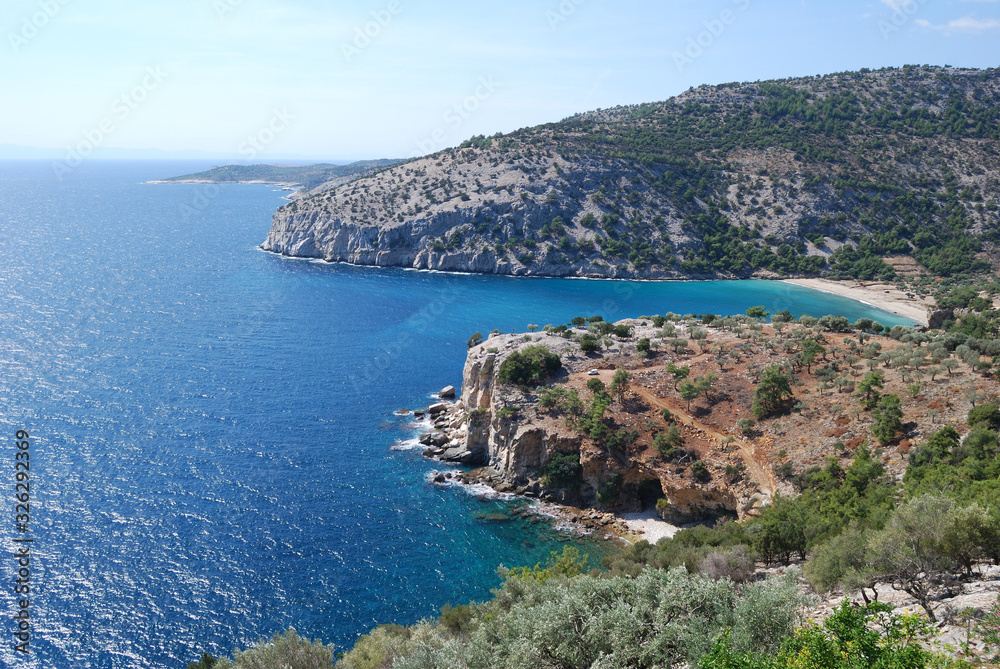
(212, 426)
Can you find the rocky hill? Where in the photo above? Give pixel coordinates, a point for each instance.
(798, 176)
(546, 441)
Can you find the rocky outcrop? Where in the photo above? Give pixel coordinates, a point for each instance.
(481, 231)
(500, 428)
(937, 318)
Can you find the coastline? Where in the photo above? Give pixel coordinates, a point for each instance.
(884, 296)
(624, 528)
(289, 185)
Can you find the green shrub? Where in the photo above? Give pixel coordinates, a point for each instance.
(610, 490)
(288, 650)
(851, 638)
(736, 564)
(456, 619)
(887, 417)
(589, 344)
(621, 439)
(984, 415)
(772, 393)
(623, 331)
(988, 629)
(529, 366)
(668, 441)
(561, 399)
(785, 470)
(563, 471)
(567, 564)
(207, 661)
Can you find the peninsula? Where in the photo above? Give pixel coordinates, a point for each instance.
(303, 177)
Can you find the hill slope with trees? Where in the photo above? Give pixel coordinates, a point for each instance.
(814, 175)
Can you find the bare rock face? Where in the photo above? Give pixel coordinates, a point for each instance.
(936, 319)
(500, 427)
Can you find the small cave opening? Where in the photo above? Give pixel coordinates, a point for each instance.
(650, 491)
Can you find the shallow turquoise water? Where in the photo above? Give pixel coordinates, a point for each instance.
(212, 425)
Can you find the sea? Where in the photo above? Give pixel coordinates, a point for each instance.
(212, 431)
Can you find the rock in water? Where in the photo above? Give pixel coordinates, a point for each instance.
(447, 392)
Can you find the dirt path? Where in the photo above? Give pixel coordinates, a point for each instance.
(763, 477)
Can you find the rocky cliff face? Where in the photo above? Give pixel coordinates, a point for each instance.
(462, 226)
(503, 429)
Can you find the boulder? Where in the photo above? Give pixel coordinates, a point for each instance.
(433, 439)
(447, 392)
(456, 454)
(936, 318)
(438, 408)
(462, 455)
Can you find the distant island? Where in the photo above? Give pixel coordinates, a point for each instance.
(814, 176)
(306, 177)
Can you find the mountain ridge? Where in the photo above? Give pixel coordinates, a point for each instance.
(796, 177)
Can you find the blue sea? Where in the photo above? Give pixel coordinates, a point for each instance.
(212, 427)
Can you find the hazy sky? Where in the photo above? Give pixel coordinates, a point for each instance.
(264, 79)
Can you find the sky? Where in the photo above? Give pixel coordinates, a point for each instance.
(260, 80)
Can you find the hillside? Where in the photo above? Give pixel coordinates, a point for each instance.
(630, 456)
(306, 176)
(791, 177)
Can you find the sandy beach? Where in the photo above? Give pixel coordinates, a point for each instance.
(649, 526)
(884, 296)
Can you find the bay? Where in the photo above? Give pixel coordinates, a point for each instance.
(212, 426)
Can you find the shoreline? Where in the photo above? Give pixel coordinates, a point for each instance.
(882, 296)
(291, 185)
(623, 527)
